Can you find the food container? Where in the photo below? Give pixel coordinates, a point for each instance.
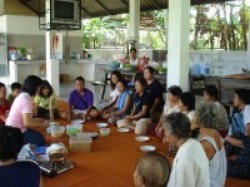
(114, 65)
(71, 131)
(80, 144)
(57, 131)
(57, 152)
(30, 56)
(77, 126)
(87, 135)
(51, 125)
(104, 131)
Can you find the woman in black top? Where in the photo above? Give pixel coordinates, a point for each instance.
(140, 115)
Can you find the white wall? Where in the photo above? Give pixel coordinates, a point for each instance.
(3, 23)
(28, 25)
(25, 25)
(23, 31)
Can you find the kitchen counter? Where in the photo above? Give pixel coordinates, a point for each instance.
(27, 62)
(84, 67)
(81, 61)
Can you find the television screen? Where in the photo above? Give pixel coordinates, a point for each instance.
(64, 10)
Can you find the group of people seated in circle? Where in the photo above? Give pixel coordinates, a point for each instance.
(209, 145)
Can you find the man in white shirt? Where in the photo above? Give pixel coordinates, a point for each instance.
(133, 57)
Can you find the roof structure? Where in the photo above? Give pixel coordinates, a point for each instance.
(97, 8)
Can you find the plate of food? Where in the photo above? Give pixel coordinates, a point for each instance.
(123, 130)
(101, 125)
(147, 148)
(142, 138)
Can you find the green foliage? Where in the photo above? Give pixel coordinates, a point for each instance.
(216, 26)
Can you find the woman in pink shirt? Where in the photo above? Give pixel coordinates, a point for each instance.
(21, 113)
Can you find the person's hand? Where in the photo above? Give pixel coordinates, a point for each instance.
(159, 131)
(227, 138)
(106, 116)
(7, 113)
(128, 120)
(233, 157)
(152, 112)
(86, 117)
(47, 123)
(164, 141)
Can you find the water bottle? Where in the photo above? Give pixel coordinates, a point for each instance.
(206, 69)
(195, 69)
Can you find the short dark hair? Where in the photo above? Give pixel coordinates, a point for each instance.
(31, 84)
(178, 124)
(123, 82)
(175, 90)
(150, 69)
(45, 84)
(188, 99)
(11, 142)
(142, 81)
(133, 49)
(244, 95)
(80, 78)
(2, 85)
(212, 91)
(118, 75)
(154, 168)
(15, 85)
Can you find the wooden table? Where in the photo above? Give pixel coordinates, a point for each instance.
(111, 161)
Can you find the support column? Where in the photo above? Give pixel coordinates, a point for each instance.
(52, 66)
(178, 43)
(247, 62)
(134, 21)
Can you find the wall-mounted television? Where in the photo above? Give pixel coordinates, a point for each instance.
(65, 11)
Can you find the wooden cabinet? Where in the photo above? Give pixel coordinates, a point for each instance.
(225, 86)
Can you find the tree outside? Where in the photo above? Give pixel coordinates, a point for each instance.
(215, 26)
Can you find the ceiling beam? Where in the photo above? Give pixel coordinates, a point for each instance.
(26, 4)
(25, 1)
(198, 2)
(156, 3)
(86, 11)
(125, 2)
(103, 6)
